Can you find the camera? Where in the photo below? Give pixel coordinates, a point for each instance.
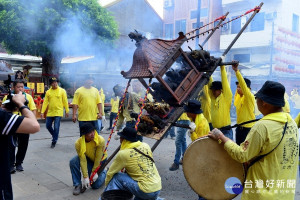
(9, 105)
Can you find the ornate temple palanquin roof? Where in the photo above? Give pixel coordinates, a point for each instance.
(151, 56)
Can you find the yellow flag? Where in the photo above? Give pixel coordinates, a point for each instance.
(31, 85)
(40, 88)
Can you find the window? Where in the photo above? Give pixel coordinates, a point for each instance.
(258, 22)
(169, 31)
(180, 26)
(195, 25)
(203, 13)
(235, 25)
(194, 14)
(243, 58)
(168, 4)
(295, 26)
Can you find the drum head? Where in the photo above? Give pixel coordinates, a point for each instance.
(207, 166)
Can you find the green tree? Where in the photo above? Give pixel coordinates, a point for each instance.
(30, 27)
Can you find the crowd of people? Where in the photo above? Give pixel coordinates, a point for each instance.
(271, 141)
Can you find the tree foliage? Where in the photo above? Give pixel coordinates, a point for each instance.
(30, 26)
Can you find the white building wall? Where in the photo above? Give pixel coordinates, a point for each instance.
(288, 8)
(258, 44)
(247, 39)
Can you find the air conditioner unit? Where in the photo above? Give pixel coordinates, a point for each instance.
(168, 3)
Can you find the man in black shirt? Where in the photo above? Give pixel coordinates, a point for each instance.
(10, 124)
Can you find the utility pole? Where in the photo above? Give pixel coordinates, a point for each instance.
(272, 48)
(198, 23)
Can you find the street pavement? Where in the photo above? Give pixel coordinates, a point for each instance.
(47, 174)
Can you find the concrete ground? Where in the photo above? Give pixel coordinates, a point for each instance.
(47, 175)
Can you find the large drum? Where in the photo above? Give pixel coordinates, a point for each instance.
(210, 171)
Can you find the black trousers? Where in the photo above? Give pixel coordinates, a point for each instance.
(5, 179)
(22, 141)
(111, 118)
(241, 134)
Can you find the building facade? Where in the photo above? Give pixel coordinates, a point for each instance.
(185, 16)
(268, 48)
